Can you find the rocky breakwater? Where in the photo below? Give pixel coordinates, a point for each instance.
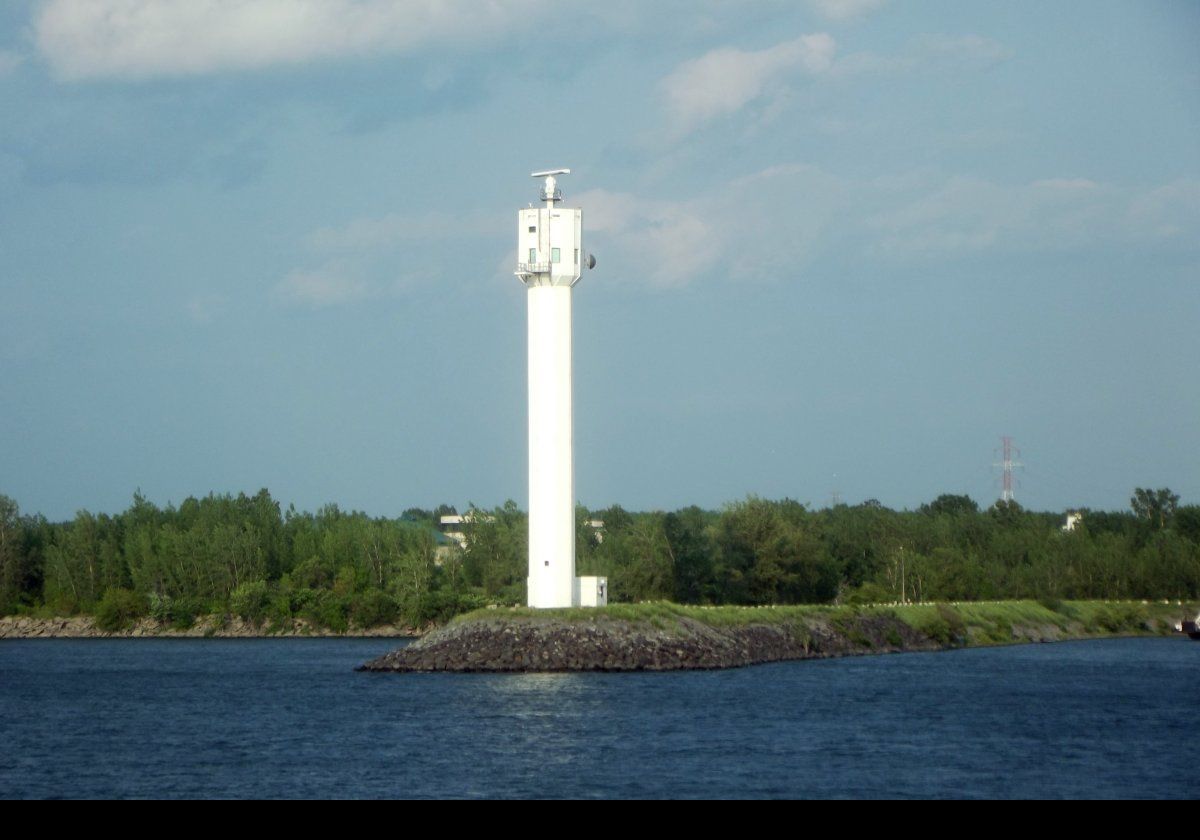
(522, 644)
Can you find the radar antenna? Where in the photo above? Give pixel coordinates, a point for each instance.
(550, 192)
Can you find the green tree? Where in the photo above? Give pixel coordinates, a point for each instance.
(1154, 506)
(950, 505)
(1187, 522)
(13, 561)
(1007, 513)
(649, 575)
(495, 558)
(84, 560)
(693, 554)
(770, 554)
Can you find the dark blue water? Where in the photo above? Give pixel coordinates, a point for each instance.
(289, 718)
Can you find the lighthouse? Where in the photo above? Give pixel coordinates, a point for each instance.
(550, 261)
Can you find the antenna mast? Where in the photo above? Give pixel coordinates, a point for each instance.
(1008, 465)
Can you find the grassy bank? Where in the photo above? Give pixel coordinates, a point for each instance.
(947, 625)
(962, 624)
(669, 637)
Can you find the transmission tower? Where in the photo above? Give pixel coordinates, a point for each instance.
(1007, 463)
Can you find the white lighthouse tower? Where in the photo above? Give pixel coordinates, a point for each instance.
(550, 261)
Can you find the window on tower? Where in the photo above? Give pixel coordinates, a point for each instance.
(555, 255)
(533, 255)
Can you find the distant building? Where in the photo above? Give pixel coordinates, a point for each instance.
(1073, 519)
(452, 528)
(597, 525)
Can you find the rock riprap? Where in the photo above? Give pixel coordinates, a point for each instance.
(547, 645)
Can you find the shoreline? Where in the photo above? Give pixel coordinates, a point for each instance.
(206, 627)
(633, 637)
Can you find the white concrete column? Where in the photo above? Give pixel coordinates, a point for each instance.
(551, 449)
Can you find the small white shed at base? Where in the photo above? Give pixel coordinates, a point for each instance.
(591, 592)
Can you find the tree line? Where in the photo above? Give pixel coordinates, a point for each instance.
(245, 556)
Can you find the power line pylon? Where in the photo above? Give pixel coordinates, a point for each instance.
(1008, 464)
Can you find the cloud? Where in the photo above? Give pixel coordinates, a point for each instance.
(844, 10)
(769, 226)
(666, 243)
(9, 61)
(972, 214)
(84, 39)
(377, 257)
(787, 217)
(1169, 212)
(11, 167)
(926, 52)
(960, 48)
(749, 230)
(724, 80)
(329, 285)
(395, 229)
(784, 215)
(204, 308)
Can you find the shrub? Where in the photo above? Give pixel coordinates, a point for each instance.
(303, 600)
(1118, 618)
(119, 609)
(373, 607)
(1001, 631)
(160, 607)
(63, 603)
(440, 607)
(179, 613)
(869, 593)
(279, 611)
(327, 610)
(183, 612)
(943, 624)
(251, 600)
(958, 627)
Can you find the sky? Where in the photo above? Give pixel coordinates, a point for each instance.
(843, 246)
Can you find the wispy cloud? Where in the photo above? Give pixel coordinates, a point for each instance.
(84, 39)
(370, 257)
(373, 233)
(772, 225)
(788, 216)
(204, 308)
(1170, 212)
(9, 61)
(961, 48)
(927, 52)
(668, 243)
(723, 81)
(973, 214)
(332, 284)
(783, 215)
(844, 10)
